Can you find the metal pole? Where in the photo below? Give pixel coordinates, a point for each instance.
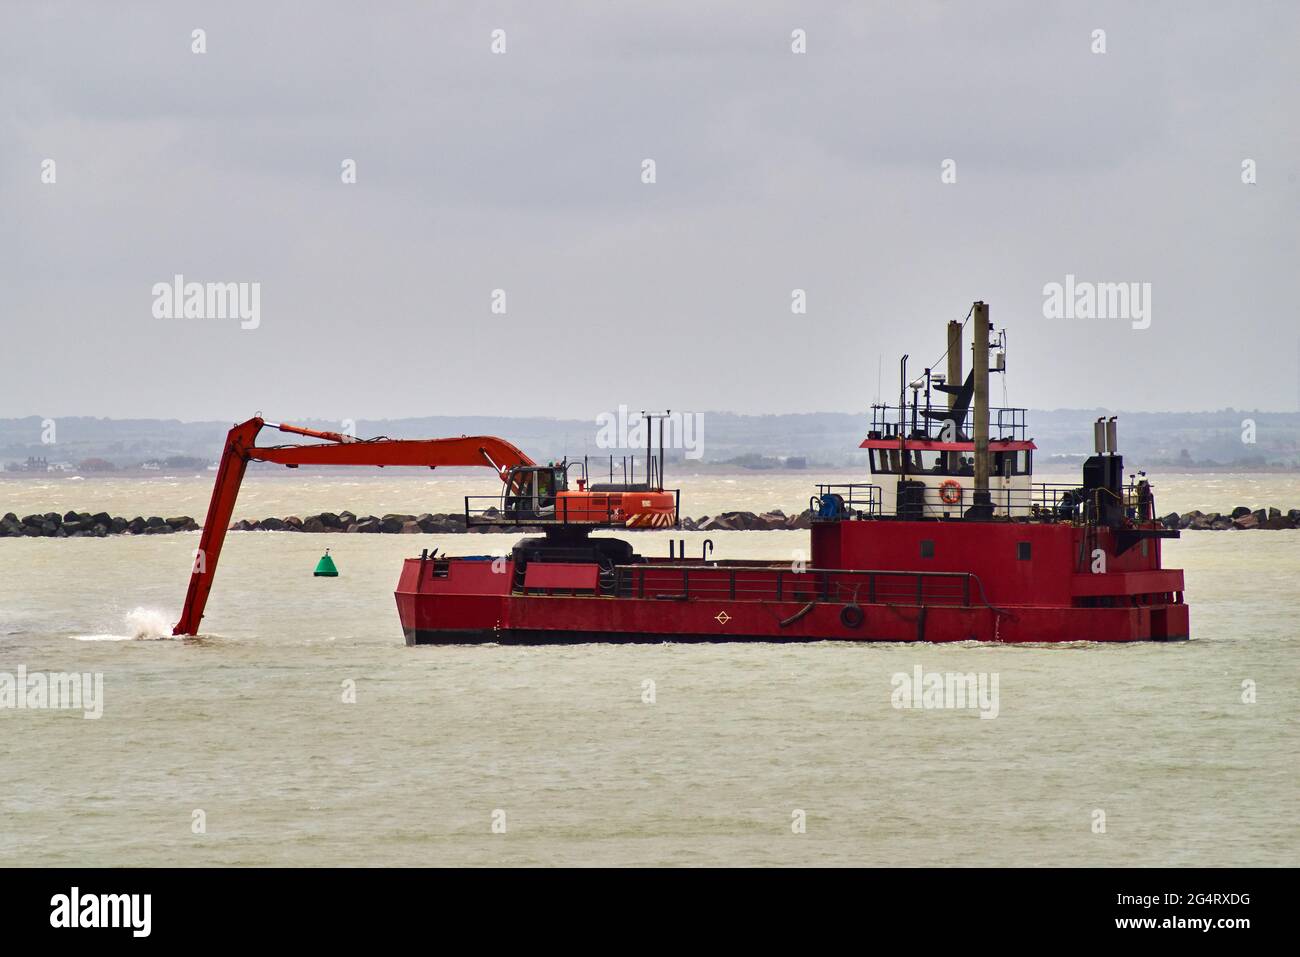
(954, 380)
(983, 507)
(902, 418)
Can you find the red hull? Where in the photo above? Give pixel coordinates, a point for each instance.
(865, 584)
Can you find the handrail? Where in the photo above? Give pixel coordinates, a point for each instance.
(1047, 501)
(781, 583)
(1004, 421)
(559, 514)
(856, 499)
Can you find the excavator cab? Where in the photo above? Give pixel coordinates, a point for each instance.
(531, 491)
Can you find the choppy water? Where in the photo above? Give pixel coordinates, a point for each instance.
(249, 727)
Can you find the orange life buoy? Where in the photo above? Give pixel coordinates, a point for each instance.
(950, 492)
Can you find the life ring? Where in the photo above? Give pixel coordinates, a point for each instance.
(851, 616)
(950, 492)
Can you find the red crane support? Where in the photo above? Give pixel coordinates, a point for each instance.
(240, 449)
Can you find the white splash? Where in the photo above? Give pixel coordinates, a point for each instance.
(142, 624)
(149, 624)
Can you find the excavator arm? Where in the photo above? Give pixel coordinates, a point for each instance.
(337, 449)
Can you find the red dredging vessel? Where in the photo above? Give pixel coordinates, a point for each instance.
(951, 541)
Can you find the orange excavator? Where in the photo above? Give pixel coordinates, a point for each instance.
(532, 494)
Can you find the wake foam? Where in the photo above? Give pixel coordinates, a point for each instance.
(140, 624)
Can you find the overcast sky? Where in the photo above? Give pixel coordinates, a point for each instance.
(522, 171)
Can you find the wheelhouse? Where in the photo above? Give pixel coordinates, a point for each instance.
(934, 479)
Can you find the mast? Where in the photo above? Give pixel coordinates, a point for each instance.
(983, 507)
(954, 380)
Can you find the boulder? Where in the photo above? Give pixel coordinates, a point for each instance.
(161, 529)
(1246, 521)
(346, 519)
(328, 519)
(440, 523)
(152, 521)
(272, 525)
(369, 525)
(410, 528)
(314, 524)
(1171, 520)
(1239, 511)
(391, 524)
(103, 518)
(741, 521)
(136, 525)
(802, 520)
(182, 523)
(292, 523)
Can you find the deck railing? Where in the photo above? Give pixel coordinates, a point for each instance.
(490, 510)
(1040, 501)
(835, 503)
(786, 584)
(1005, 422)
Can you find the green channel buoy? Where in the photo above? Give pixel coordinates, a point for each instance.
(325, 567)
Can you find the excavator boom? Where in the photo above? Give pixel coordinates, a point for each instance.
(338, 449)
